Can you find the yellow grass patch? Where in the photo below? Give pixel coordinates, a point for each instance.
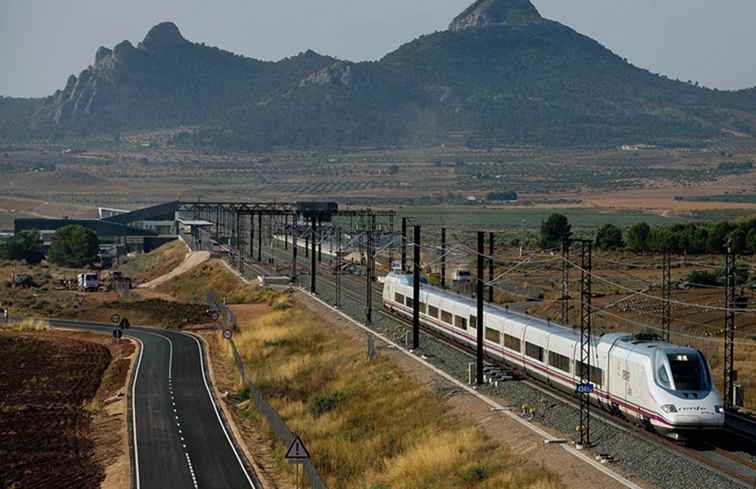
(367, 424)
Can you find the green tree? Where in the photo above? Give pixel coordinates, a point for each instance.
(25, 245)
(751, 241)
(74, 246)
(637, 237)
(718, 237)
(609, 237)
(555, 229)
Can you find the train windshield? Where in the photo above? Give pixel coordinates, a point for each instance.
(689, 372)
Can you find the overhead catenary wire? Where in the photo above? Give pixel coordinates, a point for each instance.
(660, 299)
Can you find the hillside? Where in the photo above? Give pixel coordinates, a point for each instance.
(501, 74)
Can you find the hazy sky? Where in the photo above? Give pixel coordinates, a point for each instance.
(44, 41)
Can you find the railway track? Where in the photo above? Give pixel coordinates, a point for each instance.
(733, 457)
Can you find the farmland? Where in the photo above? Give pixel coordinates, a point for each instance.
(56, 429)
(140, 171)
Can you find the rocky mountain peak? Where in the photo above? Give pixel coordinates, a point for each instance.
(163, 34)
(485, 13)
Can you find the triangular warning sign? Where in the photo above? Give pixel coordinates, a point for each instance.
(297, 451)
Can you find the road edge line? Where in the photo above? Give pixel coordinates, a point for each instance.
(215, 408)
(137, 483)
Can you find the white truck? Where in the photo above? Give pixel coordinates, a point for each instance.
(88, 282)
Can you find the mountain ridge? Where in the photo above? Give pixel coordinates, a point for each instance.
(501, 74)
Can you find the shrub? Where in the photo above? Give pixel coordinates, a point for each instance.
(555, 229)
(476, 473)
(74, 246)
(26, 245)
(609, 237)
(326, 402)
(703, 278)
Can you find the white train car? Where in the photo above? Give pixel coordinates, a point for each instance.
(663, 386)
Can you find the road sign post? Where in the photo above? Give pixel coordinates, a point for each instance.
(297, 454)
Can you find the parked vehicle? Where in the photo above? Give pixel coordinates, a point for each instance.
(88, 282)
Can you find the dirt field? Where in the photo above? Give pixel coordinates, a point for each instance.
(61, 424)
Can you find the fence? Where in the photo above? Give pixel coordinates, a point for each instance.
(277, 424)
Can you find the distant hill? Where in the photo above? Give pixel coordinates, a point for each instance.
(501, 74)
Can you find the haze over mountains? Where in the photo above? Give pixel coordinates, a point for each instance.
(501, 74)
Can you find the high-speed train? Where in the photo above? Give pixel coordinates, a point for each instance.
(665, 387)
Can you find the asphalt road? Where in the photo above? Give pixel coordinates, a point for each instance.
(178, 438)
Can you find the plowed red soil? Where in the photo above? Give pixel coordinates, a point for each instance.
(46, 381)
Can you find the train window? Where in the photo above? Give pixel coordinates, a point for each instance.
(433, 311)
(410, 301)
(493, 336)
(446, 317)
(460, 322)
(560, 362)
(663, 377)
(399, 298)
(423, 307)
(473, 322)
(596, 374)
(512, 343)
(534, 351)
(686, 371)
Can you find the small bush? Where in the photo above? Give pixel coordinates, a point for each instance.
(326, 402)
(473, 474)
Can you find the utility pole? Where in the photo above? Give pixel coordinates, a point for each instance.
(443, 258)
(251, 237)
(730, 375)
(370, 266)
(284, 233)
(565, 305)
(393, 242)
(490, 267)
(586, 297)
(320, 242)
(259, 237)
(294, 246)
(313, 265)
(522, 238)
(416, 291)
(404, 244)
(667, 292)
(479, 314)
(338, 266)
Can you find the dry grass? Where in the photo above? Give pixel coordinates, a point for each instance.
(31, 325)
(156, 263)
(367, 424)
(193, 285)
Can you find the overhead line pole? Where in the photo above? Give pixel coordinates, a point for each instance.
(443, 258)
(667, 292)
(730, 375)
(370, 258)
(404, 244)
(479, 314)
(320, 242)
(565, 305)
(491, 237)
(313, 257)
(338, 266)
(294, 247)
(259, 236)
(416, 291)
(586, 297)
